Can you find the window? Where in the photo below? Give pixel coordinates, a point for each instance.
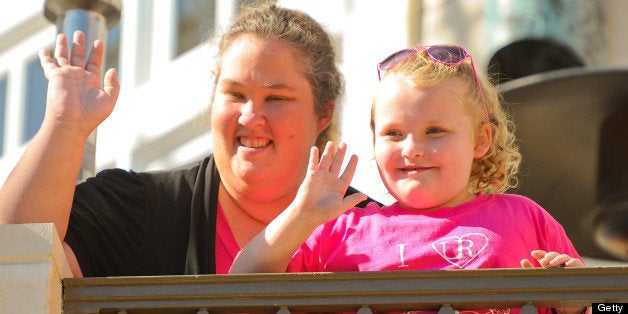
(195, 21)
(3, 106)
(112, 49)
(35, 99)
(143, 46)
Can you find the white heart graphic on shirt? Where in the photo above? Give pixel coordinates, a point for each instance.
(460, 251)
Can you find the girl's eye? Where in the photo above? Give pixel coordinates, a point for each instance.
(434, 130)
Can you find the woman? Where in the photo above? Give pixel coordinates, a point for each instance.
(275, 93)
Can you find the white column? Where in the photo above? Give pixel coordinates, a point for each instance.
(32, 264)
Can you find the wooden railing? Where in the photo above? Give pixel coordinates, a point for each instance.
(365, 292)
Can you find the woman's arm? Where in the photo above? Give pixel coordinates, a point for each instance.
(40, 188)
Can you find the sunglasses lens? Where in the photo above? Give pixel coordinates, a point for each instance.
(447, 54)
(395, 58)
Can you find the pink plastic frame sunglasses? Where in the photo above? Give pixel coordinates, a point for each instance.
(446, 54)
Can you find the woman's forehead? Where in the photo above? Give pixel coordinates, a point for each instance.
(270, 60)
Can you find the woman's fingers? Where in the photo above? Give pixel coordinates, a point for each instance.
(47, 63)
(61, 50)
(94, 62)
(77, 53)
(111, 85)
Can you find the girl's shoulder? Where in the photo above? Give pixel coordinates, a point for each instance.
(509, 198)
(515, 203)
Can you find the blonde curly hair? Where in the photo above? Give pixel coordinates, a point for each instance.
(496, 171)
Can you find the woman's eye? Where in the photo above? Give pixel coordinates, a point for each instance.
(393, 133)
(233, 95)
(276, 98)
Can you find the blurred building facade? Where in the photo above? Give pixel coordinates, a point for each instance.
(164, 55)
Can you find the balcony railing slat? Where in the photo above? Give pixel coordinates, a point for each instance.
(402, 290)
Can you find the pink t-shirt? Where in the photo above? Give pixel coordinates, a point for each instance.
(226, 246)
(491, 231)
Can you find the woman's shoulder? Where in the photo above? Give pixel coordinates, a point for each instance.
(191, 168)
(183, 177)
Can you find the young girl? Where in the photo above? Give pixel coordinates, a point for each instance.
(446, 151)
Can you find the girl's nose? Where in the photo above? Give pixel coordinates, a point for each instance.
(412, 147)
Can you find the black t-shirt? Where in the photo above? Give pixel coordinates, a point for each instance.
(126, 223)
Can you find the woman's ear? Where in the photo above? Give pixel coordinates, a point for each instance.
(483, 140)
(327, 115)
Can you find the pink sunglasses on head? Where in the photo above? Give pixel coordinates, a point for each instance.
(446, 54)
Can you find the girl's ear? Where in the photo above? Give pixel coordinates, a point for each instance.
(327, 115)
(483, 140)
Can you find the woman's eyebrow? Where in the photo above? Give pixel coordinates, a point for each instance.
(278, 86)
(271, 85)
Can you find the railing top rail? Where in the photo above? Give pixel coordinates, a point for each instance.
(348, 291)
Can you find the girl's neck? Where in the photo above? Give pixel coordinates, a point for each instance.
(457, 201)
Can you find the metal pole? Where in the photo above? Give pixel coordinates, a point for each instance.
(93, 17)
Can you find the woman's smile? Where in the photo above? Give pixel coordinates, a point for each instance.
(254, 142)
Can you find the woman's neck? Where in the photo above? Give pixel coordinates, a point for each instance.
(247, 218)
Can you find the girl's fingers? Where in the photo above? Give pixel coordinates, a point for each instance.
(563, 260)
(353, 200)
(313, 164)
(326, 158)
(549, 259)
(339, 157)
(538, 254)
(574, 262)
(332, 162)
(347, 174)
(525, 263)
(552, 259)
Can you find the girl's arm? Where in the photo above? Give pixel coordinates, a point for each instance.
(320, 199)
